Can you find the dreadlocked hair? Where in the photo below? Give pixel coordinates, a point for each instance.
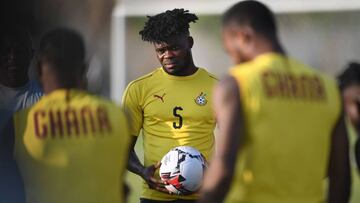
(160, 27)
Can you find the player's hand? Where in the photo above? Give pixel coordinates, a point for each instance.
(148, 176)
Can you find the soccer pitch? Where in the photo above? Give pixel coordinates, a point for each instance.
(135, 182)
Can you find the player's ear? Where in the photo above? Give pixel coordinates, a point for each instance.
(191, 42)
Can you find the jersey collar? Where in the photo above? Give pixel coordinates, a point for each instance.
(172, 77)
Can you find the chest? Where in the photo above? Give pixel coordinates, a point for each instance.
(179, 101)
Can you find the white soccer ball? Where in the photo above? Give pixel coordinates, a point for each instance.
(182, 170)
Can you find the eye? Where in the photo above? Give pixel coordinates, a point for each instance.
(174, 48)
(160, 51)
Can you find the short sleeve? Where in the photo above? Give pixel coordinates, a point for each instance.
(131, 105)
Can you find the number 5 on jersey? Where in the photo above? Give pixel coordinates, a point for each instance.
(176, 114)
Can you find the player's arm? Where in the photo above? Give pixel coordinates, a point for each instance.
(134, 164)
(134, 112)
(339, 165)
(147, 173)
(229, 116)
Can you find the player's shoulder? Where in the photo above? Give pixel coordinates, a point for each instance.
(34, 86)
(245, 68)
(326, 78)
(311, 70)
(209, 75)
(44, 102)
(145, 78)
(93, 99)
(22, 113)
(105, 103)
(252, 67)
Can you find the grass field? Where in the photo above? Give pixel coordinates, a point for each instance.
(135, 182)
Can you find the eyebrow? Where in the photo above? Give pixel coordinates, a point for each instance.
(157, 49)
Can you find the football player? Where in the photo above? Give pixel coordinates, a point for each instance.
(172, 104)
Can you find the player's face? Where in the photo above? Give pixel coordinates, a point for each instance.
(174, 54)
(233, 46)
(351, 97)
(15, 59)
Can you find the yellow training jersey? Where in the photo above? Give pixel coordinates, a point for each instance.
(172, 111)
(290, 111)
(72, 147)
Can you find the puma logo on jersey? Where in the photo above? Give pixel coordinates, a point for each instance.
(201, 99)
(160, 97)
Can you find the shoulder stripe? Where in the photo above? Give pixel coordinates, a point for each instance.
(210, 74)
(140, 78)
(133, 84)
(143, 77)
(213, 77)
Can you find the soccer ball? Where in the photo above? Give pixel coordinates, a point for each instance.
(182, 170)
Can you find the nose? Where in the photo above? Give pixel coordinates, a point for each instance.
(168, 54)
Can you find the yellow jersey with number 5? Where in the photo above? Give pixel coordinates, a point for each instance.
(290, 111)
(171, 111)
(72, 147)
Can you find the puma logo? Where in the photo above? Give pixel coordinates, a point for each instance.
(160, 97)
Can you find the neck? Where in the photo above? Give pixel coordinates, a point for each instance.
(48, 88)
(264, 46)
(188, 69)
(54, 84)
(278, 48)
(52, 80)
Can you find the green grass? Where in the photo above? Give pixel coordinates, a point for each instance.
(135, 181)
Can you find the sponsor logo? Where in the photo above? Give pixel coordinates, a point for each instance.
(160, 97)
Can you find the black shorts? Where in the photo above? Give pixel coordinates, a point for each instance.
(142, 200)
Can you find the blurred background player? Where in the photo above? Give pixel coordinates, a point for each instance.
(172, 104)
(349, 82)
(281, 125)
(70, 146)
(17, 92)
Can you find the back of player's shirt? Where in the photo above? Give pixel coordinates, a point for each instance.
(290, 111)
(72, 147)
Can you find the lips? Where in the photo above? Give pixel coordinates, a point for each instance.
(170, 64)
